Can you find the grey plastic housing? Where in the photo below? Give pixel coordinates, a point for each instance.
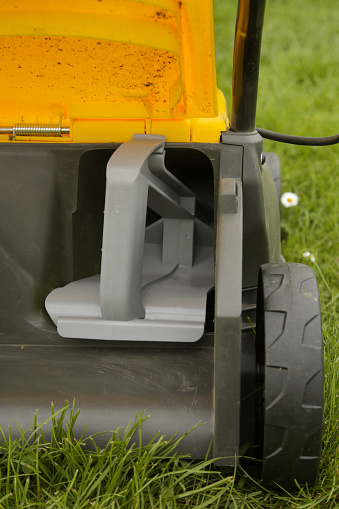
(51, 226)
(153, 283)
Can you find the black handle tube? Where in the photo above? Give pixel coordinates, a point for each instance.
(246, 57)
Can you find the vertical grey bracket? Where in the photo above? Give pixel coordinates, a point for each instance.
(136, 176)
(261, 235)
(228, 291)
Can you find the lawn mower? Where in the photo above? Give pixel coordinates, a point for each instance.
(140, 258)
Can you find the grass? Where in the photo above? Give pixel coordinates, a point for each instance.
(58, 472)
(298, 89)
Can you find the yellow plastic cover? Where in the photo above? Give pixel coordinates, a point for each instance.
(110, 68)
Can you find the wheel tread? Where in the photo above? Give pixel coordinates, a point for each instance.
(290, 290)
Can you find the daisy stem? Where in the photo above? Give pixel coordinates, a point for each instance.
(323, 278)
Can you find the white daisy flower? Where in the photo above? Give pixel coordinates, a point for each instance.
(289, 199)
(309, 256)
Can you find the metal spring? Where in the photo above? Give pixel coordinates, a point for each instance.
(39, 130)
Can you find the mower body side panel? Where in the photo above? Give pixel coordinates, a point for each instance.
(51, 221)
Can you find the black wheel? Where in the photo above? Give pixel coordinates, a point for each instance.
(290, 374)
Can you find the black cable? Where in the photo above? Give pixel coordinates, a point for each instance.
(298, 140)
